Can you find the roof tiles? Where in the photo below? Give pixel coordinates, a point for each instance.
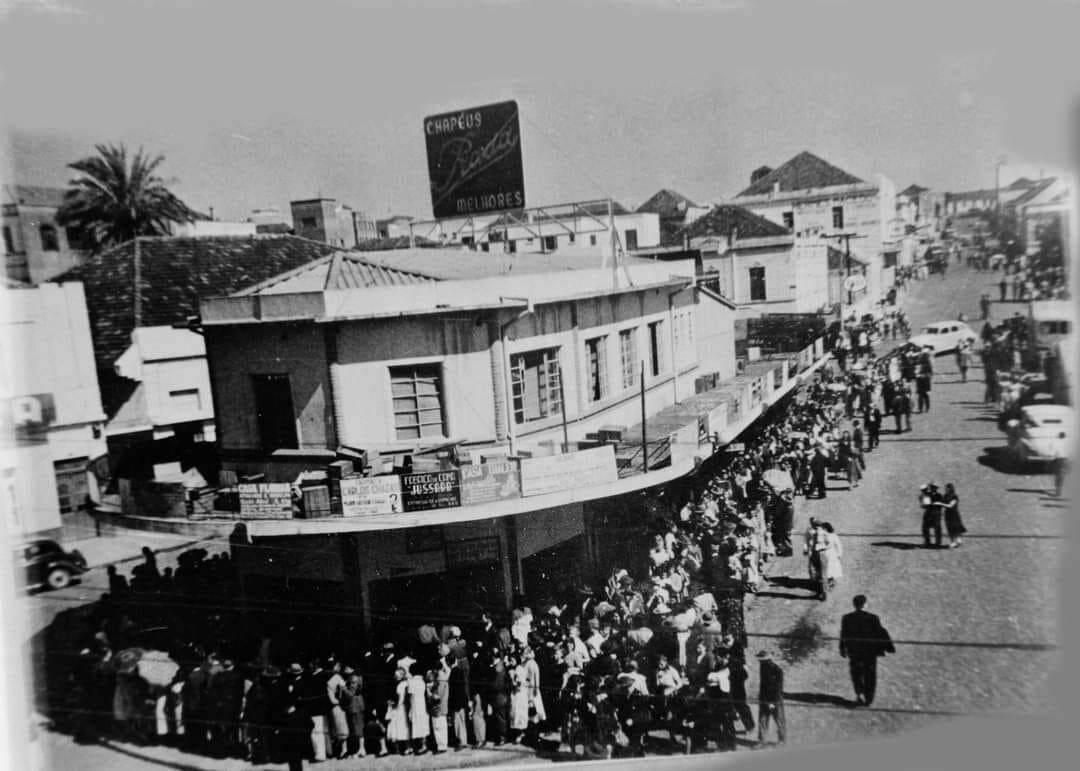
(802, 172)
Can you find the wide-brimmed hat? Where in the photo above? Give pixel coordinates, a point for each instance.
(270, 672)
(295, 669)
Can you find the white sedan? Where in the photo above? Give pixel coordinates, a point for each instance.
(943, 336)
(1041, 432)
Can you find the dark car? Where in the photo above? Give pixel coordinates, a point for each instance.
(45, 563)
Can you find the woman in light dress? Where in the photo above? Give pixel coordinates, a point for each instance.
(397, 715)
(419, 720)
(831, 567)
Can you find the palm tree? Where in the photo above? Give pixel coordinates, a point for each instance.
(112, 203)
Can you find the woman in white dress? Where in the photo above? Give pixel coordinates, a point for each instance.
(419, 720)
(397, 716)
(832, 568)
(519, 699)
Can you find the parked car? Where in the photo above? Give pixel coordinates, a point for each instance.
(45, 563)
(1041, 432)
(944, 336)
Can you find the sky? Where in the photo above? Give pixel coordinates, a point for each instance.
(254, 104)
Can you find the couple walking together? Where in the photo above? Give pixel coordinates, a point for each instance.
(935, 504)
(824, 550)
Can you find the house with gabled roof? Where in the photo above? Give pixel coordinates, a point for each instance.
(813, 198)
(919, 208)
(675, 211)
(762, 267)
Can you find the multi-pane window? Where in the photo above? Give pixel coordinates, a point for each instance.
(757, 284)
(418, 407)
(534, 382)
(628, 356)
(838, 217)
(596, 351)
(656, 347)
(274, 412)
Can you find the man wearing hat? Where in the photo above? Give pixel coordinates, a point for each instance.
(783, 522)
(629, 600)
(588, 601)
(770, 698)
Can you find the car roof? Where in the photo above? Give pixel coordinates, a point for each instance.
(1049, 411)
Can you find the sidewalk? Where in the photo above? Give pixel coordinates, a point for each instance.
(115, 545)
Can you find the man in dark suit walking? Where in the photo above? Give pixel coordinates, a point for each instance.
(862, 640)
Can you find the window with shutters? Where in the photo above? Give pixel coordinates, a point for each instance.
(596, 352)
(628, 356)
(418, 401)
(534, 383)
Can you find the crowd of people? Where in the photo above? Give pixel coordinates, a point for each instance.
(663, 650)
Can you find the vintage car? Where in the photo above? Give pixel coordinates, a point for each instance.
(1041, 432)
(944, 336)
(45, 563)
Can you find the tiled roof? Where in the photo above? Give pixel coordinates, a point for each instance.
(667, 203)
(914, 190)
(726, 218)
(175, 273)
(348, 271)
(1022, 184)
(463, 264)
(802, 172)
(29, 195)
(1031, 192)
(397, 242)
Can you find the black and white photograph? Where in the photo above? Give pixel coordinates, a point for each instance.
(500, 383)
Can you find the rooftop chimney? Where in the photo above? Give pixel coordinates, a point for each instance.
(759, 172)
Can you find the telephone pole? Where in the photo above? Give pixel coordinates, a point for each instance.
(847, 255)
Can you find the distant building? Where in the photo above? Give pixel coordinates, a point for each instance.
(52, 422)
(920, 208)
(675, 211)
(582, 227)
(393, 227)
(758, 265)
(323, 219)
(213, 228)
(35, 247)
(811, 197)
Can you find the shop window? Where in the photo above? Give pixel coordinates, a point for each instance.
(418, 405)
(274, 412)
(534, 381)
(596, 351)
(838, 217)
(656, 347)
(50, 241)
(757, 284)
(628, 356)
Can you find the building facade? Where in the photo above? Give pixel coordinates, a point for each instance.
(812, 198)
(475, 436)
(324, 219)
(53, 421)
(35, 247)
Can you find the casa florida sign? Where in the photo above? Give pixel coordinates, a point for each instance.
(474, 160)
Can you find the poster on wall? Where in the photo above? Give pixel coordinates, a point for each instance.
(559, 473)
(361, 496)
(488, 482)
(431, 490)
(265, 500)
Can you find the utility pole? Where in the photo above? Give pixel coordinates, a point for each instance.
(847, 256)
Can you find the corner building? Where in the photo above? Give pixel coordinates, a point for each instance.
(422, 433)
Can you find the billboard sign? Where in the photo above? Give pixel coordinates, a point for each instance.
(474, 160)
(574, 470)
(488, 482)
(265, 500)
(370, 495)
(431, 490)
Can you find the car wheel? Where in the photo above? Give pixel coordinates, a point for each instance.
(58, 578)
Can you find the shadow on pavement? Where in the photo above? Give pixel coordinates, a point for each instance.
(1039, 490)
(820, 698)
(898, 545)
(147, 758)
(999, 459)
